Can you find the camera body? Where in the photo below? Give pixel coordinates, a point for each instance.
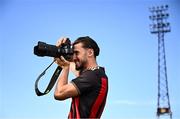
(65, 50)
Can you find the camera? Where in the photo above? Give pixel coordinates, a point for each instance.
(65, 50)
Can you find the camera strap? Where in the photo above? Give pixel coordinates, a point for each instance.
(51, 83)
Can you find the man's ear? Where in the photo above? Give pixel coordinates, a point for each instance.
(90, 52)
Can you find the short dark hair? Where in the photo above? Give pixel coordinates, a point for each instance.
(88, 43)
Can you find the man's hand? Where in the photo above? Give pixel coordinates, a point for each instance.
(62, 62)
(73, 69)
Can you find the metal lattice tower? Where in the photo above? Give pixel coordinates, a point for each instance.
(160, 26)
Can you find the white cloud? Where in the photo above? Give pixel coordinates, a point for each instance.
(132, 102)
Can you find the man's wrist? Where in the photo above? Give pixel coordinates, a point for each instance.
(66, 67)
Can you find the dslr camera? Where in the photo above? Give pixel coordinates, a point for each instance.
(65, 50)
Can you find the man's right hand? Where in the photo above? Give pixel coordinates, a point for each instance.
(61, 61)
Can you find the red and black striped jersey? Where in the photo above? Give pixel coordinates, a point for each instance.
(92, 86)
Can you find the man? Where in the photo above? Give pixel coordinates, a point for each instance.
(89, 89)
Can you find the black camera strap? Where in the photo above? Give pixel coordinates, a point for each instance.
(51, 83)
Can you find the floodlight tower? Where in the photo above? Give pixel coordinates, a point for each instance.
(160, 26)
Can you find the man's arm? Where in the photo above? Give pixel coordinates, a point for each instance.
(64, 89)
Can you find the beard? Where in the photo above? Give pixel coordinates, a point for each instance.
(80, 65)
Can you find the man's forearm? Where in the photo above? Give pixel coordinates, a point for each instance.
(63, 78)
(62, 81)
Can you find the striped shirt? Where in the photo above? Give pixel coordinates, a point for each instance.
(92, 86)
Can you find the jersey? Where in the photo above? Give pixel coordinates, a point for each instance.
(92, 86)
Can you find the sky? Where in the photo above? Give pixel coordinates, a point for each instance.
(128, 53)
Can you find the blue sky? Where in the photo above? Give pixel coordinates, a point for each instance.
(128, 52)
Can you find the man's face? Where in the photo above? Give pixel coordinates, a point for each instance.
(79, 56)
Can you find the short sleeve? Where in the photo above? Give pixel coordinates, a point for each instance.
(85, 82)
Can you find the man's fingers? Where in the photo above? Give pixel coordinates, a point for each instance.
(64, 40)
(61, 41)
(62, 58)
